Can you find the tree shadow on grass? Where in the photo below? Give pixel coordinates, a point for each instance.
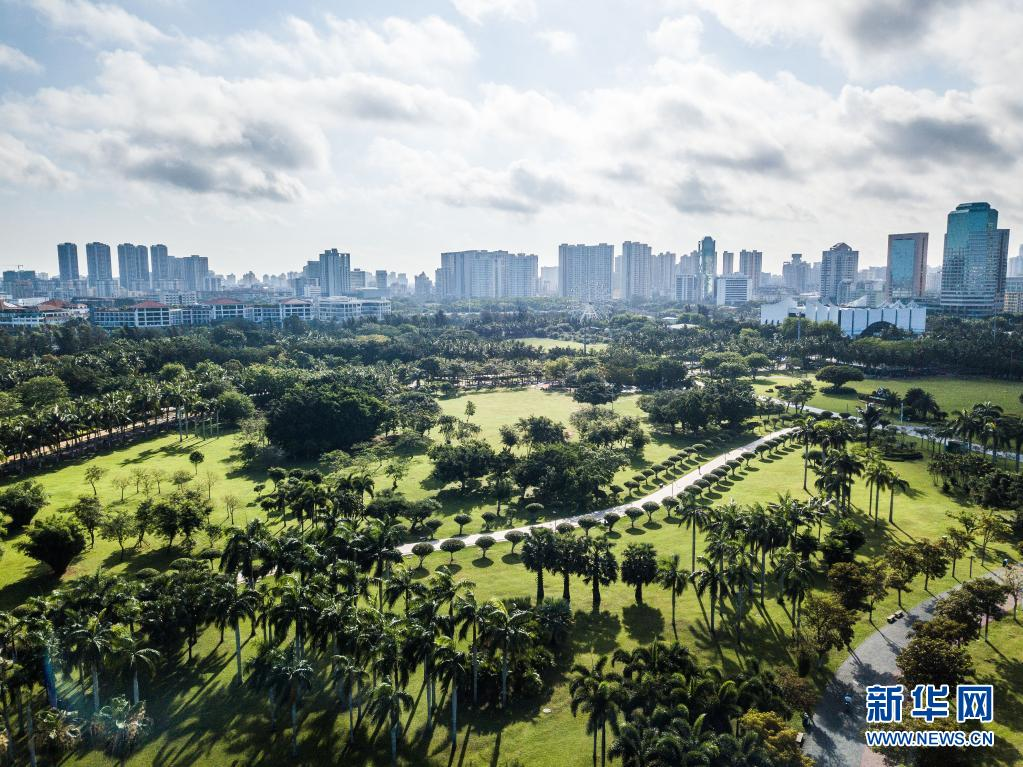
(643, 623)
(595, 632)
(511, 559)
(483, 562)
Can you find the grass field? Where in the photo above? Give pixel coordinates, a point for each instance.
(201, 718)
(557, 343)
(999, 662)
(952, 394)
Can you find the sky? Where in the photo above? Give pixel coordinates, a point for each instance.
(259, 133)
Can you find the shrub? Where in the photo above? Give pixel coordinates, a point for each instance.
(55, 541)
(433, 525)
(633, 513)
(650, 507)
(422, 550)
(485, 543)
(565, 527)
(21, 502)
(462, 520)
(611, 519)
(514, 537)
(587, 524)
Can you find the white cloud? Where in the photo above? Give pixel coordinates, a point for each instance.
(22, 166)
(479, 11)
(678, 38)
(559, 41)
(16, 61)
(98, 22)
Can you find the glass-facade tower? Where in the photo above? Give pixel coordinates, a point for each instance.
(973, 272)
(906, 272)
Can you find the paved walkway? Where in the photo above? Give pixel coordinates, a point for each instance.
(836, 738)
(672, 488)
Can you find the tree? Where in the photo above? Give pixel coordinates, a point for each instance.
(121, 483)
(462, 520)
(595, 393)
(933, 558)
(989, 596)
(903, 566)
(422, 550)
(195, 458)
(122, 727)
(539, 553)
(838, 376)
(55, 541)
(932, 661)
(94, 474)
(675, 578)
(452, 546)
(312, 419)
(21, 502)
(826, 625)
(463, 462)
(639, 567)
(598, 567)
(485, 543)
(780, 741)
(41, 392)
(599, 695)
(117, 525)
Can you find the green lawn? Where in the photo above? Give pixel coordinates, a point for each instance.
(951, 393)
(999, 661)
(202, 719)
(558, 343)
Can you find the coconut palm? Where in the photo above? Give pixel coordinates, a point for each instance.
(695, 516)
(710, 579)
(600, 695)
(452, 667)
(133, 654)
(386, 704)
(91, 641)
(675, 578)
(507, 631)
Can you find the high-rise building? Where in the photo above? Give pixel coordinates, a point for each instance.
(689, 288)
(162, 268)
(97, 261)
(663, 280)
(584, 271)
(906, 272)
(67, 262)
(708, 256)
(1015, 268)
(549, 280)
(689, 264)
(839, 265)
(486, 274)
(424, 285)
(133, 266)
(727, 262)
(381, 279)
(796, 274)
(637, 271)
(335, 273)
(732, 289)
(973, 269)
(1014, 294)
(194, 272)
(751, 263)
(358, 279)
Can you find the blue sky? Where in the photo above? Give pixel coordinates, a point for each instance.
(259, 133)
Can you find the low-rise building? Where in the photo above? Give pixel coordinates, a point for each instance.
(42, 313)
(852, 320)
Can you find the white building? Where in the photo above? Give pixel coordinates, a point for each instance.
(585, 271)
(689, 288)
(839, 266)
(663, 281)
(853, 320)
(486, 274)
(731, 289)
(43, 313)
(637, 271)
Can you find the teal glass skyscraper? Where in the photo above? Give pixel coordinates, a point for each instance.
(973, 272)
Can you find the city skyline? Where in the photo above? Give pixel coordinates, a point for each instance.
(478, 123)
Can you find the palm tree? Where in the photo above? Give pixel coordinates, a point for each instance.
(134, 654)
(234, 606)
(387, 702)
(294, 674)
(896, 484)
(871, 417)
(92, 640)
(710, 579)
(601, 697)
(469, 614)
(876, 474)
(675, 578)
(539, 553)
(123, 726)
(243, 548)
(508, 632)
(451, 668)
(695, 516)
(598, 567)
(795, 576)
(349, 675)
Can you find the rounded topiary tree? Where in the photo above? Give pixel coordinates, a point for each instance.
(484, 543)
(632, 485)
(633, 513)
(462, 520)
(638, 478)
(533, 509)
(514, 537)
(565, 527)
(616, 490)
(650, 507)
(452, 546)
(432, 526)
(611, 519)
(422, 550)
(587, 524)
(670, 503)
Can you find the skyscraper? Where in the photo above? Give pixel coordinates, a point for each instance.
(161, 267)
(906, 273)
(487, 274)
(707, 249)
(97, 261)
(796, 274)
(194, 271)
(335, 271)
(637, 270)
(838, 273)
(133, 266)
(751, 264)
(584, 271)
(663, 280)
(973, 270)
(67, 261)
(727, 262)
(1016, 265)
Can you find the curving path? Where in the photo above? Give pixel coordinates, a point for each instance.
(672, 488)
(836, 738)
